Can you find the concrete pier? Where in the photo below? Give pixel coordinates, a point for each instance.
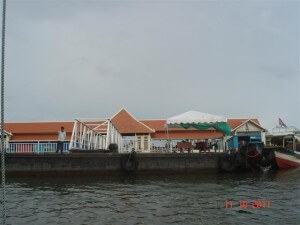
(101, 163)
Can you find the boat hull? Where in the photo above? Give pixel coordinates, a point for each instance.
(286, 160)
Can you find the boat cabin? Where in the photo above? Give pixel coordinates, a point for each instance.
(286, 141)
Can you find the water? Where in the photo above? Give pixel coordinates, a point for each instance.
(155, 199)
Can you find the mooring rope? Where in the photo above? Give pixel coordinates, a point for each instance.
(2, 116)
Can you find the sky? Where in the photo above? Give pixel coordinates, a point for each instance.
(86, 59)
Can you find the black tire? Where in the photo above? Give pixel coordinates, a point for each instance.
(271, 160)
(113, 147)
(129, 163)
(227, 164)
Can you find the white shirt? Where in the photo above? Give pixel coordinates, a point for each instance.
(61, 135)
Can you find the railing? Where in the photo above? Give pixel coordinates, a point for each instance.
(38, 148)
(90, 134)
(131, 142)
(126, 146)
(176, 146)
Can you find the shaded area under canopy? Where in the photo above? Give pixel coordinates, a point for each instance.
(199, 121)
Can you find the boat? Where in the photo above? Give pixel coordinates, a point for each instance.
(285, 143)
(287, 159)
(248, 157)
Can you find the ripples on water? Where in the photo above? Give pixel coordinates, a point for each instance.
(155, 199)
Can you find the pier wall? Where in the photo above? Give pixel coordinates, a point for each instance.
(106, 163)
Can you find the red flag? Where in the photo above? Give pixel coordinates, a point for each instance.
(281, 123)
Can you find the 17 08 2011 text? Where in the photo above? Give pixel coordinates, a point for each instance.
(255, 204)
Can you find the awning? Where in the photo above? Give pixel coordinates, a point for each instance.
(200, 121)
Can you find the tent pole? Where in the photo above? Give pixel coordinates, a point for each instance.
(168, 138)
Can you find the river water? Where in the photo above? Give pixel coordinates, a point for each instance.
(156, 199)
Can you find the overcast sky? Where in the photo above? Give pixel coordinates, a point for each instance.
(70, 59)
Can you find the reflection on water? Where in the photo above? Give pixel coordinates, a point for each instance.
(155, 199)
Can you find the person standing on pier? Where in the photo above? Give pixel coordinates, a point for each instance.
(61, 139)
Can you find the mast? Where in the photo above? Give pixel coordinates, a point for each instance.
(2, 115)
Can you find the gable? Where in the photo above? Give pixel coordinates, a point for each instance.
(249, 127)
(234, 123)
(127, 124)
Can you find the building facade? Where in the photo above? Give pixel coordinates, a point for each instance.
(142, 135)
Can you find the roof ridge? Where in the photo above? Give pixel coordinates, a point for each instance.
(139, 121)
(118, 113)
(246, 121)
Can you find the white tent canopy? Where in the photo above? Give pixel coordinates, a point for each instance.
(195, 117)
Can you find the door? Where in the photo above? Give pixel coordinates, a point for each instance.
(142, 143)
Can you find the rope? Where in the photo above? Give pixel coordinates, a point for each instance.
(2, 116)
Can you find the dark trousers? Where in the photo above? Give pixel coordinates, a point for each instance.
(60, 146)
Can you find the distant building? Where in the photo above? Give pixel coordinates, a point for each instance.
(142, 135)
(248, 130)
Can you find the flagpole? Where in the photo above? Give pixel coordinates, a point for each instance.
(2, 116)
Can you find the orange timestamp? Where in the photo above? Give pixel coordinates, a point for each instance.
(255, 204)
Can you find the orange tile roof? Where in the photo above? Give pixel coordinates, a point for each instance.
(36, 131)
(124, 122)
(234, 123)
(38, 127)
(127, 124)
(157, 125)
